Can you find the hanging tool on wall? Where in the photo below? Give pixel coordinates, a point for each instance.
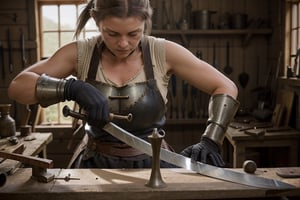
(174, 97)
(228, 69)
(10, 53)
(244, 76)
(167, 24)
(184, 102)
(188, 12)
(23, 50)
(2, 61)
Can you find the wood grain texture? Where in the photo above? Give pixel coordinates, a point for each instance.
(130, 184)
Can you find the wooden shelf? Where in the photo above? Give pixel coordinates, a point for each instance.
(212, 31)
(247, 33)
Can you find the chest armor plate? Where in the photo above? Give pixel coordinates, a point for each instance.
(143, 100)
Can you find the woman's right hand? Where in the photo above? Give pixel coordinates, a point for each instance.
(90, 99)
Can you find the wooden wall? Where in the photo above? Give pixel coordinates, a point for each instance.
(259, 57)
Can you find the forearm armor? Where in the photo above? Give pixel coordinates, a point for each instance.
(50, 90)
(221, 110)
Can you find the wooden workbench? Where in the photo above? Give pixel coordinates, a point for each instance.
(125, 184)
(33, 147)
(241, 141)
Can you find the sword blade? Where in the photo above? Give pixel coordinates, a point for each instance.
(198, 167)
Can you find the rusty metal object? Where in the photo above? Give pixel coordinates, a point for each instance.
(25, 130)
(7, 123)
(156, 180)
(249, 166)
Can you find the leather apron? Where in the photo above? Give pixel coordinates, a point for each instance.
(143, 100)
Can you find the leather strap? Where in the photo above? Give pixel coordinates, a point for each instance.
(95, 61)
(146, 57)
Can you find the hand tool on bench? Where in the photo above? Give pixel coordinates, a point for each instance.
(257, 126)
(227, 69)
(12, 140)
(187, 163)
(39, 165)
(260, 132)
(67, 178)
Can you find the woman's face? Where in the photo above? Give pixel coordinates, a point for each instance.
(122, 35)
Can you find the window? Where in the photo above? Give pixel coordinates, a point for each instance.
(57, 24)
(292, 44)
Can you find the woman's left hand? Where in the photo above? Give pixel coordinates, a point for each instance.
(206, 151)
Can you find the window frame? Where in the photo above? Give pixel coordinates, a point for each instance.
(40, 3)
(40, 25)
(292, 35)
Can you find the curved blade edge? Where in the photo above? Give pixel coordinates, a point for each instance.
(198, 167)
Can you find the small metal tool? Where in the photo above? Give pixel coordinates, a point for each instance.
(67, 178)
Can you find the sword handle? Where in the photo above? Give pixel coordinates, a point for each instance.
(68, 112)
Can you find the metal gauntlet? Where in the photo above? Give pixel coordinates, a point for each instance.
(50, 90)
(221, 111)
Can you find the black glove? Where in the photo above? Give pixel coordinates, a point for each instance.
(90, 99)
(205, 151)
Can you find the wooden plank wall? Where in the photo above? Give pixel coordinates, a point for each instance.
(17, 17)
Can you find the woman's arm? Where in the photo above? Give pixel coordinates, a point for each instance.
(222, 105)
(60, 65)
(198, 73)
